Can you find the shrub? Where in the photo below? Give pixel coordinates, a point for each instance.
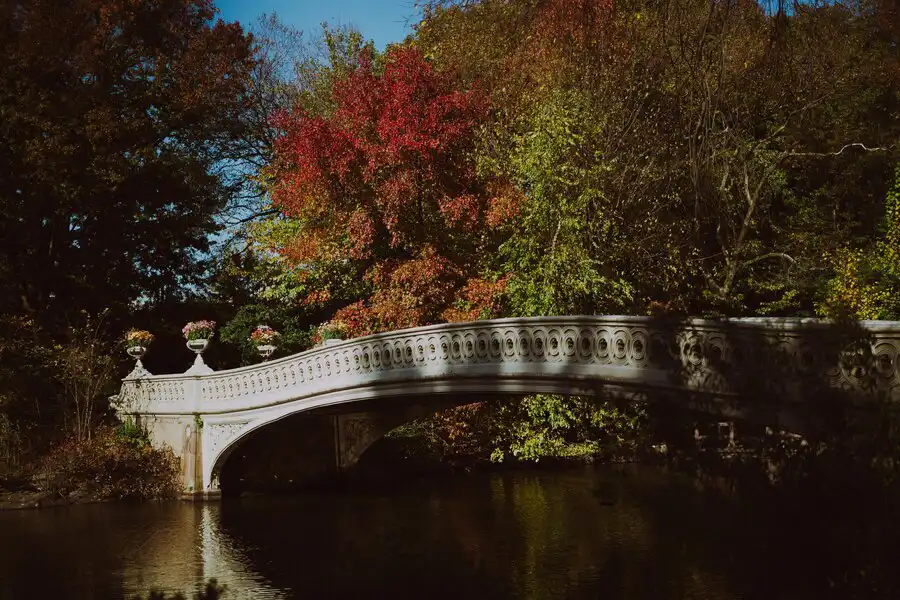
(553, 426)
(114, 463)
(129, 432)
(293, 330)
(331, 330)
(455, 432)
(86, 370)
(532, 428)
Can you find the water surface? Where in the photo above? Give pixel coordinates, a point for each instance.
(610, 533)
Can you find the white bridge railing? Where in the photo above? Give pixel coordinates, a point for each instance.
(565, 354)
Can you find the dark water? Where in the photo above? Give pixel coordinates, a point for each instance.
(630, 533)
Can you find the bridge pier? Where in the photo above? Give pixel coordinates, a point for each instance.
(354, 433)
(182, 434)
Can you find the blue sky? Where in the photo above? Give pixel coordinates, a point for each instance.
(381, 20)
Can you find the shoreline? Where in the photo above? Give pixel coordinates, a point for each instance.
(369, 475)
(19, 500)
(33, 500)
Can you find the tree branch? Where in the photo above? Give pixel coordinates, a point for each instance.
(851, 145)
(780, 255)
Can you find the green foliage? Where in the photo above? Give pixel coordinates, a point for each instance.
(85, 367)
(293, 325)
(545, 426)
(131, 433)
(27, 376)
(331, 334)
(557, 162)
(530, 429)
(121, 141)
(111, 188)
(10, 444)
(866, 281)
(712, 180)
(260, 267)
(111, 464)
(460, 432)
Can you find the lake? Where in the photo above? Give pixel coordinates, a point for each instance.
(636, 533)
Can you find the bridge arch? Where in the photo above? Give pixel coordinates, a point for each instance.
(222, 435)
(698, 359)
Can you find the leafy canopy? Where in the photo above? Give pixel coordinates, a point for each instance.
(382, 187)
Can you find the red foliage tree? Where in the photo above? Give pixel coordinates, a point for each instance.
(385, 182)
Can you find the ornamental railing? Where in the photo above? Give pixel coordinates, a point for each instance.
(780, 359)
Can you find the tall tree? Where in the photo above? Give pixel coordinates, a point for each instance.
(281, 54)
(117, 119)
(113, 115)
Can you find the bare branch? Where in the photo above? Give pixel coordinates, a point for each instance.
(780, 255)
(258, 215)
(851, 145)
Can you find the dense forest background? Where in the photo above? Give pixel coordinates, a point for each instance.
(511, 157)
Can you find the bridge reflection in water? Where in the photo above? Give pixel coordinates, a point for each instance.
(184, 547)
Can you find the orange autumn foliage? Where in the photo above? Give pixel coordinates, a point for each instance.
(385, 183)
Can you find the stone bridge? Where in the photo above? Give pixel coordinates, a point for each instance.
(369, 385)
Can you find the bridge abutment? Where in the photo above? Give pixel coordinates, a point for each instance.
(182, 434)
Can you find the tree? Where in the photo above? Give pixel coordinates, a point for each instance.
(251, 273)
(281, 54)
(382, 189)
(692, 156)
(116, 119)
(866, 280)
(113, 116)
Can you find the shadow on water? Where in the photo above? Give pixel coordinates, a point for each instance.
(630, 532)
(578, 534)
(825, 505)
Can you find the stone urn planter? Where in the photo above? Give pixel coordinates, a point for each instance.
(198, 347)
(136, 343)
(198, 334)
(137, 353)
(265, 339)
